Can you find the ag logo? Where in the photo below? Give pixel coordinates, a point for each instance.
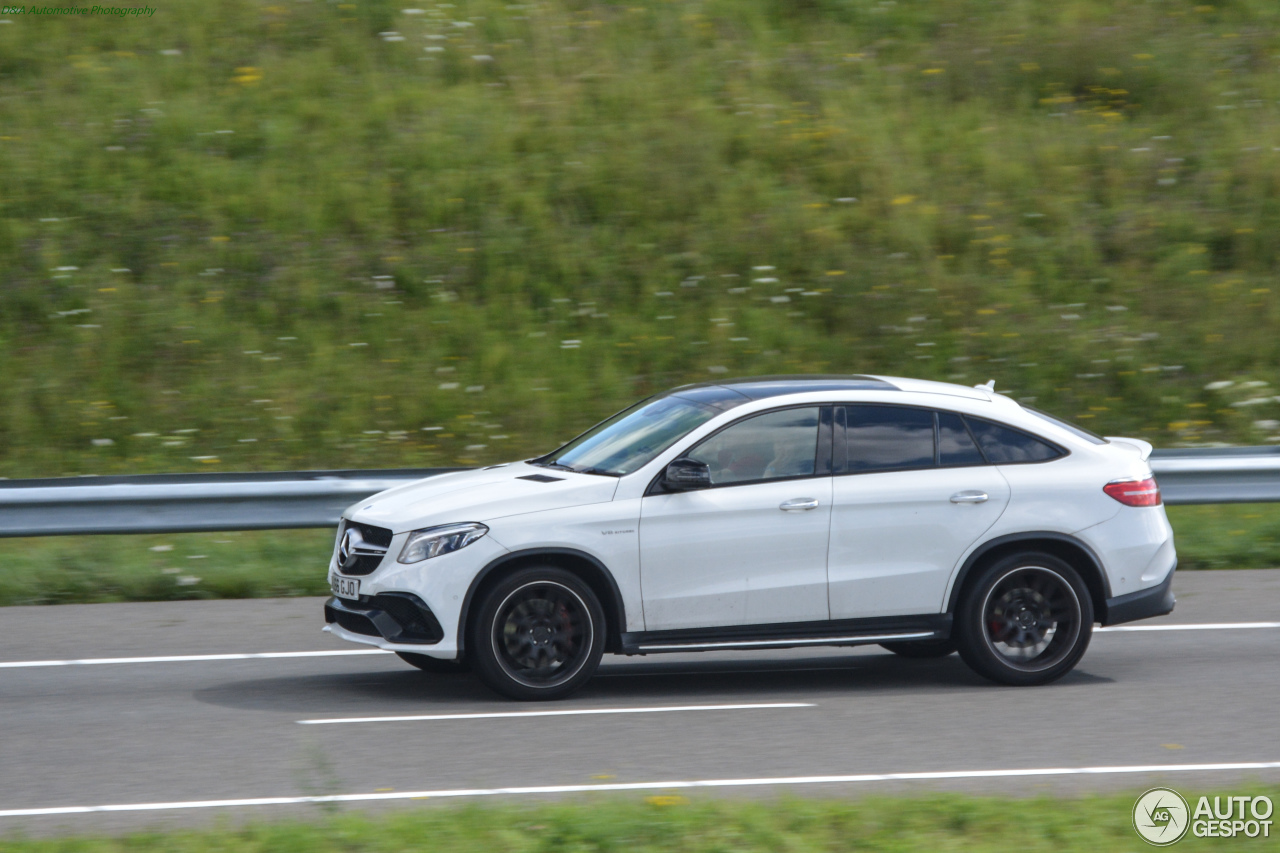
(1161, 816)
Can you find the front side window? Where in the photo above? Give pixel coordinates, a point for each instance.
(630, 439)
(888, 438)
(771, 446)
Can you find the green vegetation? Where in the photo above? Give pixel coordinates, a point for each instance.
(249, 235)
(938, 822)
(93, 569)
(89, 569)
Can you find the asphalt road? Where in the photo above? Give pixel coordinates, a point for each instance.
(192, 731)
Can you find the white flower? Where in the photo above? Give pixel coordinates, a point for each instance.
(1219, 385)
(102, 442)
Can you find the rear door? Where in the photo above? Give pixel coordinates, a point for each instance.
(911, 492)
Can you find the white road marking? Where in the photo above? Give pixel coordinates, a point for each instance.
(19, 664)
(647, 786)
(1202, 626)
(577, 712)
(22, 664)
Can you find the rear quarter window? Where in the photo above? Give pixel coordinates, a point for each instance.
(1004, 445)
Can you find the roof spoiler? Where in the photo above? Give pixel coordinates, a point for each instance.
(1137, 445)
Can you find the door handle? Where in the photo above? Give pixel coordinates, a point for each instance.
(798, 504)
(972, 496)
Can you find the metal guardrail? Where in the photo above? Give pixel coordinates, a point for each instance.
(1218, 475)
(192, 503)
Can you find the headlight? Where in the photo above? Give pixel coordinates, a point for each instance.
(434, 541)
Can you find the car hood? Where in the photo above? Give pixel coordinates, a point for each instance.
(480, 495)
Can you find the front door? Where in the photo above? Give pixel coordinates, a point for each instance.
(752, 548)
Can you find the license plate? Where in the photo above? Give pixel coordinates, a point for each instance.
(345, 587)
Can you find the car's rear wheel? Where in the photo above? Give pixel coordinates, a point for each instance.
(427, 663)
(539, 634)
(922, 648)
(1026, 619)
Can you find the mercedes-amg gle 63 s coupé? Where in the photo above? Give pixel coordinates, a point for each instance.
(767, 513)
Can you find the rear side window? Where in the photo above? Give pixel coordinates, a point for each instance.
(1003, 445)
(888, 438)
(955, 445)
(1075, 429)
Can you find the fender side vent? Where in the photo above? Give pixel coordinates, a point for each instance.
(540, 478)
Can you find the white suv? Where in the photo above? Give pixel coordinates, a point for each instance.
(767, 513)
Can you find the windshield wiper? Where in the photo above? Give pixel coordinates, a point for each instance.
(602, 472)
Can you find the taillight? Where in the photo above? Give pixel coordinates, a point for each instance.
(1135, 492)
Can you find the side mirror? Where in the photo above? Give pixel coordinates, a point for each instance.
(684, 475)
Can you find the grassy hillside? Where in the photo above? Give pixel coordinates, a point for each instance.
(251, 235)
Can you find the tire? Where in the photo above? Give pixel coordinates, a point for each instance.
(538, 635)
(1025, 620)
(436, 665)
(922, 648)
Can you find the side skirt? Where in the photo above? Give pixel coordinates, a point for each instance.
(841, 632)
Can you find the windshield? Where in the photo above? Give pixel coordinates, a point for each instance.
(630, 439)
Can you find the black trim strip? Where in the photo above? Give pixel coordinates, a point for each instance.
(1143, 604)
(838, 632)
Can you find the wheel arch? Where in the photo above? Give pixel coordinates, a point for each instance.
(1064, 546)
(590, 570)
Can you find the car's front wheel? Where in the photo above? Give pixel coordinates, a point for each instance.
(1027, 619)
(539, 634)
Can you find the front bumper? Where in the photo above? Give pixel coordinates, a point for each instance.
(1143, 604)
(399, 618)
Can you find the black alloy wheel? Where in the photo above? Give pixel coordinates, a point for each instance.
(1026, 620)
(539, 634)
(427, 663)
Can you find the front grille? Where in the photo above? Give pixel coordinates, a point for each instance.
(376, 537)
(379, 536)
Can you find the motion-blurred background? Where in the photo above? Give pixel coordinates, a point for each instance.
(281, 235)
